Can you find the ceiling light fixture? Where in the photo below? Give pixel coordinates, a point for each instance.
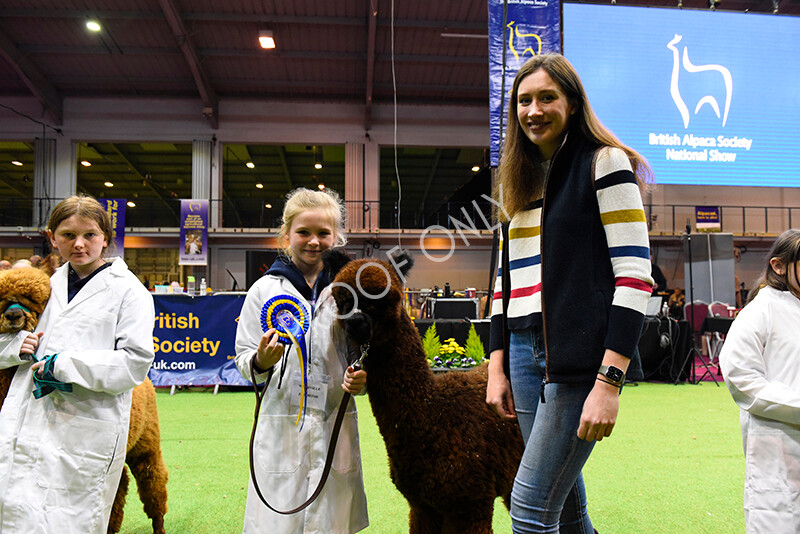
(321, 187)
(250, 165)
(259, 186)
(17, 163)
(318, 165)
(266, 39)
(86, 163)
(131, 204)
(267, 205)
(108, 184)
(93, 25)
(475, 168)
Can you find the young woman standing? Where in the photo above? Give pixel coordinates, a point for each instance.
(578, 283)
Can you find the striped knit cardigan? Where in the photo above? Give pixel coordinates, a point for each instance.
(579, 262)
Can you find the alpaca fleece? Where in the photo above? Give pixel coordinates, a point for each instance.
(450, 454)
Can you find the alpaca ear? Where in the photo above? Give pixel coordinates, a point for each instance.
(334, 259)
(403, 261)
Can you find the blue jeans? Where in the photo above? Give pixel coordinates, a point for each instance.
(548, 493)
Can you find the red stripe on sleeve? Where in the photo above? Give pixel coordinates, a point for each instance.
(634, 283)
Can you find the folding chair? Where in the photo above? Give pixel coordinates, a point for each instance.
(717, 309)
(695, 313)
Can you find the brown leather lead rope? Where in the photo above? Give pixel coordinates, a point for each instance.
(337, 426)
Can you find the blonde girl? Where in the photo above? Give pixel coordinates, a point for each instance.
(289, 460)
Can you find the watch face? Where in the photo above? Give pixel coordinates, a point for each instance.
(615, 374)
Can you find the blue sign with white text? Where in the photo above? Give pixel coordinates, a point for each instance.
(707, 97)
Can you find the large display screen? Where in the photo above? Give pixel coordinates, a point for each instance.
(707, 97)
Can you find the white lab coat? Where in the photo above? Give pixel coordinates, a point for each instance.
(61, 456)
(760, 361)
(289, 462)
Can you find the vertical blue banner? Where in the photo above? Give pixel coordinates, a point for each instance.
(115, 207)
(194, 232)
(532, 27)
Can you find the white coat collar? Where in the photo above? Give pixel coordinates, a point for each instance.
(58, 282)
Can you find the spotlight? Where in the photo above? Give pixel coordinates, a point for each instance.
(266, 39)
(259, 186)
(86, 163)
(250, 165)
(475, 168)
(318, 165)
(268, 205)
(17, 163)
(131, 204)
(108, 184)
(93, 25)
(321, 187)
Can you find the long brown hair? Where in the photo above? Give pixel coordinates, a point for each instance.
(787, 249)
(520, 174)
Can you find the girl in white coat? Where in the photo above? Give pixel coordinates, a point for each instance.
(63, 435)
(289, 459)
(760, 361)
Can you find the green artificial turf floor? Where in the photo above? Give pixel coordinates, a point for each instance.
(674, 465)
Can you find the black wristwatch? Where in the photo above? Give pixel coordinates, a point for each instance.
(613, 374)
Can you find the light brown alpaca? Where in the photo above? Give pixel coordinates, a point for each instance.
(30, 288)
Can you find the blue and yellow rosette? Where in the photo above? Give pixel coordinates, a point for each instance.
(288, 316)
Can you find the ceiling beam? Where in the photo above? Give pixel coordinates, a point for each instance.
(144, 177)
(7, 180)
(285, 165)
(186, 44)
(372, 19)
(241, 17)
(33, 78)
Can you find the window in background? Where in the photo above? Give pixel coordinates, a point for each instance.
(153, 176)
(436, 183)
(16, 183)
(256, 179)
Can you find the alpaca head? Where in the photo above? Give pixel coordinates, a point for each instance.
(23, 296)
(369, 294)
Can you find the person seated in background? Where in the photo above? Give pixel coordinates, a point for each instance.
(5, 265)
(676, 301)
(35, 260)
(19, 264)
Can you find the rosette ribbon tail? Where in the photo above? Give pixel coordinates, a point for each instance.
(295, 332)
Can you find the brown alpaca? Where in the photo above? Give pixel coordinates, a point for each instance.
(450, 454)
(30, 288)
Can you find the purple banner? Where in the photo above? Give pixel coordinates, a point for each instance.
(115, 207)
(194, 232)
(532, 27)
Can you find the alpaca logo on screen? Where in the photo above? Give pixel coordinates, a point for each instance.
(693, 69)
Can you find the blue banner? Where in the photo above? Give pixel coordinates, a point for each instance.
(115, 207)
(194, 340)
(528, 28)
(194, 232)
